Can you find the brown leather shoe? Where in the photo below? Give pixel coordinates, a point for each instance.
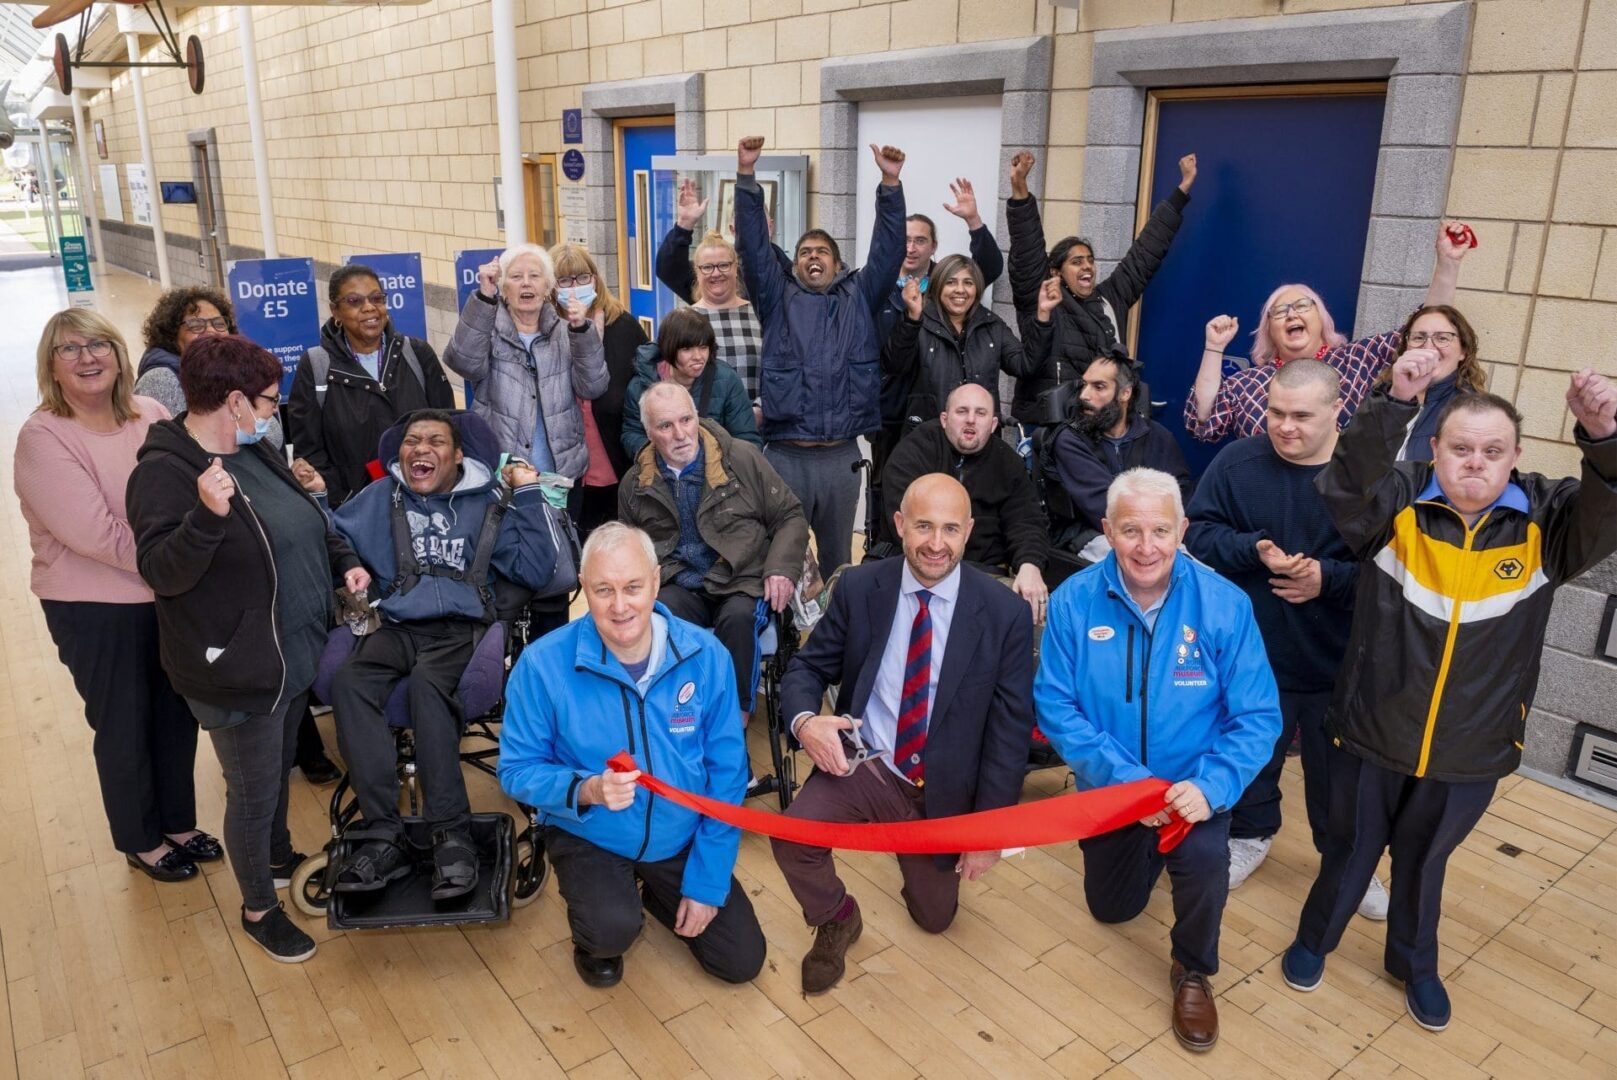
(1195, 1016)
(825, 963)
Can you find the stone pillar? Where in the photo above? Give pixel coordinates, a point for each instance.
(1577, 685)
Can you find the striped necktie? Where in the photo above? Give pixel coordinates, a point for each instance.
(911, 739)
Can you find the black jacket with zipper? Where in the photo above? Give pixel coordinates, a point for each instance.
(1081, 329)
(340, 438)
(214, 576)
(1449, 619)
(932, 360)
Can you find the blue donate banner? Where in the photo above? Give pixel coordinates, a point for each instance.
(400, 275)
(466, 264)
(276, 307)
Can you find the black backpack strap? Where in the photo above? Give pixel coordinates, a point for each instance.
(488, 534)
(407, 571)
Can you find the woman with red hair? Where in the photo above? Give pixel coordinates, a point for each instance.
(1295, 323)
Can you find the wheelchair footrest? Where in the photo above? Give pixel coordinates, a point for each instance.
(409, 902)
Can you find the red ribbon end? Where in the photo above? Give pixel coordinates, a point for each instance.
(621, 762)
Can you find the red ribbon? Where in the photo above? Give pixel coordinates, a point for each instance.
(1462, 235)
(1060, 819)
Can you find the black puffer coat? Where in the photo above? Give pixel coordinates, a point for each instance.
(932, 359)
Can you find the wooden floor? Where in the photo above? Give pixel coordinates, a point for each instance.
(108, 975)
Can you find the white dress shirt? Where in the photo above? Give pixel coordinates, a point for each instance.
(880, 730)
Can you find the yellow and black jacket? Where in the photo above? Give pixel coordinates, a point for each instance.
(1443, 659)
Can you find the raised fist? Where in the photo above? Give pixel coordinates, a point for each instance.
(1049, 297)
(1413, 372)
(890, 160)
(748, 151)
(1593, 401)
(1221, 330)
(912, 298)
(488, 278)
(1021, 166)
(1187, 172)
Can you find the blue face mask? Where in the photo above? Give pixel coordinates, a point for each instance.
(261, 426)
(584, 294)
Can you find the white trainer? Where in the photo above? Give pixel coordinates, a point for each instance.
(1246, 855)
(1374, 904)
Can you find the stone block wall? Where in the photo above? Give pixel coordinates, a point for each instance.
(1577, 684)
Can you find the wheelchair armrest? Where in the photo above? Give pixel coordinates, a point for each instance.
(483, 681)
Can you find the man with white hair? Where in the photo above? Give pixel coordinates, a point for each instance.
(1153, 666)
(727, 530)
(632, 676)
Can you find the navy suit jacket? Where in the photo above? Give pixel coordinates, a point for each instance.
(982, 717)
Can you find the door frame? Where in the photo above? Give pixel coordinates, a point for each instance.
(212, 241)
(537, 197)
(1148, 143)
(622, 197)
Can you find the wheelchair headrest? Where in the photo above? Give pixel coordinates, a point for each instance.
(477, 439)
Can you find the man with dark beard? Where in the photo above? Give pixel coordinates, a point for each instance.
(1104, 438)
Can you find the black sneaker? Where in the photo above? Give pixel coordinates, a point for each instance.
(279, 936)
(283, 871)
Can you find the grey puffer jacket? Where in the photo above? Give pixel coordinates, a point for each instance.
(509, 382)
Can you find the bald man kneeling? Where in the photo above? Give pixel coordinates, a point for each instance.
(933, 661)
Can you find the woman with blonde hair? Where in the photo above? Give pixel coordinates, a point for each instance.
(74, 458)
(578, 279)
(1294, 323)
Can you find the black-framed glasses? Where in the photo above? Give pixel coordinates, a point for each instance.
(714, 269)
(1438, 338)
(1301, 305)
(356, 302)
(199, 325)
(271, 398)
(72, 350)
(575, 279)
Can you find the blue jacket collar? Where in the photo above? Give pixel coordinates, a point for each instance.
(1512, 498)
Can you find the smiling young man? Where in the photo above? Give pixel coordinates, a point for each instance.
(630, 675)
(422, 532)
(1152, 666)
(934, 664)
(1257, 519)
(1460, 561)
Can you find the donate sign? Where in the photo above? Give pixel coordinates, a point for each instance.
(400, 275)
(277, 308)
(466, 264)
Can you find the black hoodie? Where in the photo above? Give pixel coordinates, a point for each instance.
(340, 438)
(214, 577)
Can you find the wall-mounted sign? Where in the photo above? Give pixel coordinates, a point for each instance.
(572, 165)
(572, 126)
(276, 307)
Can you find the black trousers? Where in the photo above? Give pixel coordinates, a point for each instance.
(596, 506)
(145, 736)
(1121, 868)
(1257, 815)
(604, 906)
(434, 655)
(1423, 821)
(733, 620)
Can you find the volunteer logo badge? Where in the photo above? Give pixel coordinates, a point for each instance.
(1102, 633)
(1190, 636)
(686, 692)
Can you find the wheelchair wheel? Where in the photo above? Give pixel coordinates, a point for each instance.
(529, 870)
(308, 889)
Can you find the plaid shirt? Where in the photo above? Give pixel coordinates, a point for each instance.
(1241, 407)
(741, 342)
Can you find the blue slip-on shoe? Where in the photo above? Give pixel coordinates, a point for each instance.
(1428, 1003)
(1302, 970)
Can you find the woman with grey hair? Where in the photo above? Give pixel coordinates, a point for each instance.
(527, 366)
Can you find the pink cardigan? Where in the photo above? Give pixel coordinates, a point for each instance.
(71, 483)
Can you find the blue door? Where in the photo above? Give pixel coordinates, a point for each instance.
(639, 142)
(1282, 194)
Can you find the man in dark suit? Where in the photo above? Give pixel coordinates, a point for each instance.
(934, 664)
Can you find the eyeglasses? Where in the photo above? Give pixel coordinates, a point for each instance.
(355, 301)
(197, 326)
(73, 350)
(713, 269)
(1302, 306)
(1439, 338)
(271, 398)
(576, 279)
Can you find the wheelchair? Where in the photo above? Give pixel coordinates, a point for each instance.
(512, 868)
(778, 642)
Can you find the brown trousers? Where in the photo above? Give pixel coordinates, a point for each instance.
(873, 793)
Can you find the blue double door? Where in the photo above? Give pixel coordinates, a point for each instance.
(1282, 194)
(639, 142)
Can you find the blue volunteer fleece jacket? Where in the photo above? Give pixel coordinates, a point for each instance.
(444, 530)
(570, 705)
(1193, 700)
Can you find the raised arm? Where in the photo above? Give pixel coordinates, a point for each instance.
(885, 256)
(1207, 409)
(763, 270)
(472, 344)
(1582, 527)
(1362, 486)
(175, 534)
(1454, 239)
(1029, 261)
(674, 253)
(1144, 257)
(984, 248)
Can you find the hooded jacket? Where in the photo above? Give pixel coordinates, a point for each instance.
(340, 438)
(1082, 329)
(510, 383)
(928, 356)
(444, 531)
(214, 576)
(747, 515)
(1083, 468)
(820, 378)
(719, 386)
(1448, 627)
(1008, 526)
(570, 705)
(1193, 699)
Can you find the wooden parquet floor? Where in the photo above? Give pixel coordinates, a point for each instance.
(104, 974)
